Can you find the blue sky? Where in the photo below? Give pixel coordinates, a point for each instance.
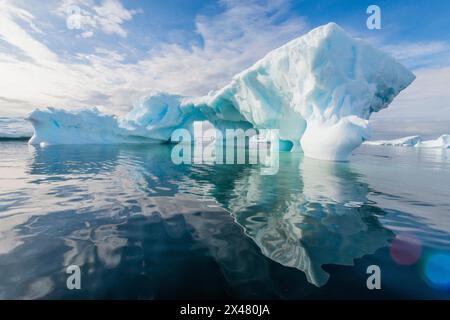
(124, 49)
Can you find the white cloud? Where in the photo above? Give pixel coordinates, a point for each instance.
(12, 33)
(416, 54)
(416, 49)
(87, 34)
(109, 16)
(231, 41)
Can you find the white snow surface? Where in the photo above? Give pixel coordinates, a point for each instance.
(318, 90)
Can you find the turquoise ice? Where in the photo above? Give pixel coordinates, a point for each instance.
(319, 90)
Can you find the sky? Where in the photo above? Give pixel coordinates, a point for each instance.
(108, 53)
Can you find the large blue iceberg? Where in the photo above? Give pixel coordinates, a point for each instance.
(319, 90)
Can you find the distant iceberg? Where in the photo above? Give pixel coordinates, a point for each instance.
(319, 90)
(443, 142)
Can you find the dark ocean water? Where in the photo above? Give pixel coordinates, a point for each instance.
(141, 227)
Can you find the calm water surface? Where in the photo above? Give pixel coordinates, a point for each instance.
(141, 227)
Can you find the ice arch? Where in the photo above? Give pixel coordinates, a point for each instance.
(319, 90)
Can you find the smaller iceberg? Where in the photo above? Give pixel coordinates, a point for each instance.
(409, 141)
(86, 126)
(443, 142)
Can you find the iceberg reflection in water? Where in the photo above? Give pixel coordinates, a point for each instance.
(318, 217)
(140, 226)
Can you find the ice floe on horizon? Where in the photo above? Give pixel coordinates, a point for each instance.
(443, 142)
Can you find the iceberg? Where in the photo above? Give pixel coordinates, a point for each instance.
(318, 90)
(443, 142)
(86, 126)
(409, 141)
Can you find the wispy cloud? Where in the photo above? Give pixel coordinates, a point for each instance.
(108, 17)
(420, 54)
(231, 41)
(235, 38)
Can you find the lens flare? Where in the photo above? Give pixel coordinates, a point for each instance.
(437, 270)
(406, 249)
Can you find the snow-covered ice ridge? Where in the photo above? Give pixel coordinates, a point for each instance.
(443, 142)
(319, 90)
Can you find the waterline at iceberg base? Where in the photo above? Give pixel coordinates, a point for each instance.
(318, 90)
